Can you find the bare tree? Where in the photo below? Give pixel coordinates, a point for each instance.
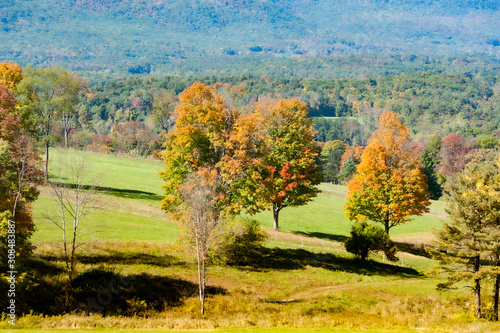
(68, 122)
(200, 217)
(76, 199)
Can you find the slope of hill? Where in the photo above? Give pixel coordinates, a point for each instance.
(158, 35)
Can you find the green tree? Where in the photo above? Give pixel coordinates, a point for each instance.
(366, 238)
(46, 94)
(331, 156)
(473, 232)
(487, 142)
(163, 105)
(430, 159)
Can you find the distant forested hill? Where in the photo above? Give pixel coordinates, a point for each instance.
(193, 37)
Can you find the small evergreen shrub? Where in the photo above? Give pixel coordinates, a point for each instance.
(366, 238)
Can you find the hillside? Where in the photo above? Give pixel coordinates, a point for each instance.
(302, 279)
(192, 36)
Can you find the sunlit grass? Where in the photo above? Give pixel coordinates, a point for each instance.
(304, 278)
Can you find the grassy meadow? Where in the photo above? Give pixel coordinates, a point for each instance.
(303, 280)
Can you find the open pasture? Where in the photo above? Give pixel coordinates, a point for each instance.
(301, 280)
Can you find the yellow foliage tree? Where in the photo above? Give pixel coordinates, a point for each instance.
(10, 74)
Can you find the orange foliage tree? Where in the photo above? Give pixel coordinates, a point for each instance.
(389, 185)
(273, 159)
(198, 139)
(266, 158)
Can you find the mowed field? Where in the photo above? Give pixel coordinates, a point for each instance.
(303, 280)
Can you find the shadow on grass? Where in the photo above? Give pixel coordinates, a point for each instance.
(113, 257)
(321, 235)
(103, 290)
(292, 259)
(116, 257)
(43, 267)
(118, 192)
(415, 249)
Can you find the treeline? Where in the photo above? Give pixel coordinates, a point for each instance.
(429, 103)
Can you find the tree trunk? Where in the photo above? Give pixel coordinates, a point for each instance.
(46, 159)
(66, 136)
(387, 224)
(276, 213)
(201, 275)
(477, 287)
(496, 291)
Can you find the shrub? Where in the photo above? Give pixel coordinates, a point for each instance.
(237, 242)
(366, 238)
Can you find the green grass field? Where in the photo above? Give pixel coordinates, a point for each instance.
(302, 280)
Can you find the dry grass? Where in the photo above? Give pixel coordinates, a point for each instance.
(313, 295)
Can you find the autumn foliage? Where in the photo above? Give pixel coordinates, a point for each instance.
(389, 185)
(198, 139)
(19, 174)
(10, 74)
(265, 158)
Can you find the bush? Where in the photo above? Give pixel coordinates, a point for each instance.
(237, 242)
(366, 238)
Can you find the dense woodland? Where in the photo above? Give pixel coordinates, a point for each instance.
(277, 38)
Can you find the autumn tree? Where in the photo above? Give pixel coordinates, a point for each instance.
(389, 185)
(45, 94)
(473, 234)
(273, 159)
(19, 176)
(10, 75)
(198, 140)
(454, 151)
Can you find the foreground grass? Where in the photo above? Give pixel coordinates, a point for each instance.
(254, 330)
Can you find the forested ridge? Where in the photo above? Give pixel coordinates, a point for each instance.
(199, 37)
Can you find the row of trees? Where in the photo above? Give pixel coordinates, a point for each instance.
(427, 102)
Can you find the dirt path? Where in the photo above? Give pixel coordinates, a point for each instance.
(322, 291)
